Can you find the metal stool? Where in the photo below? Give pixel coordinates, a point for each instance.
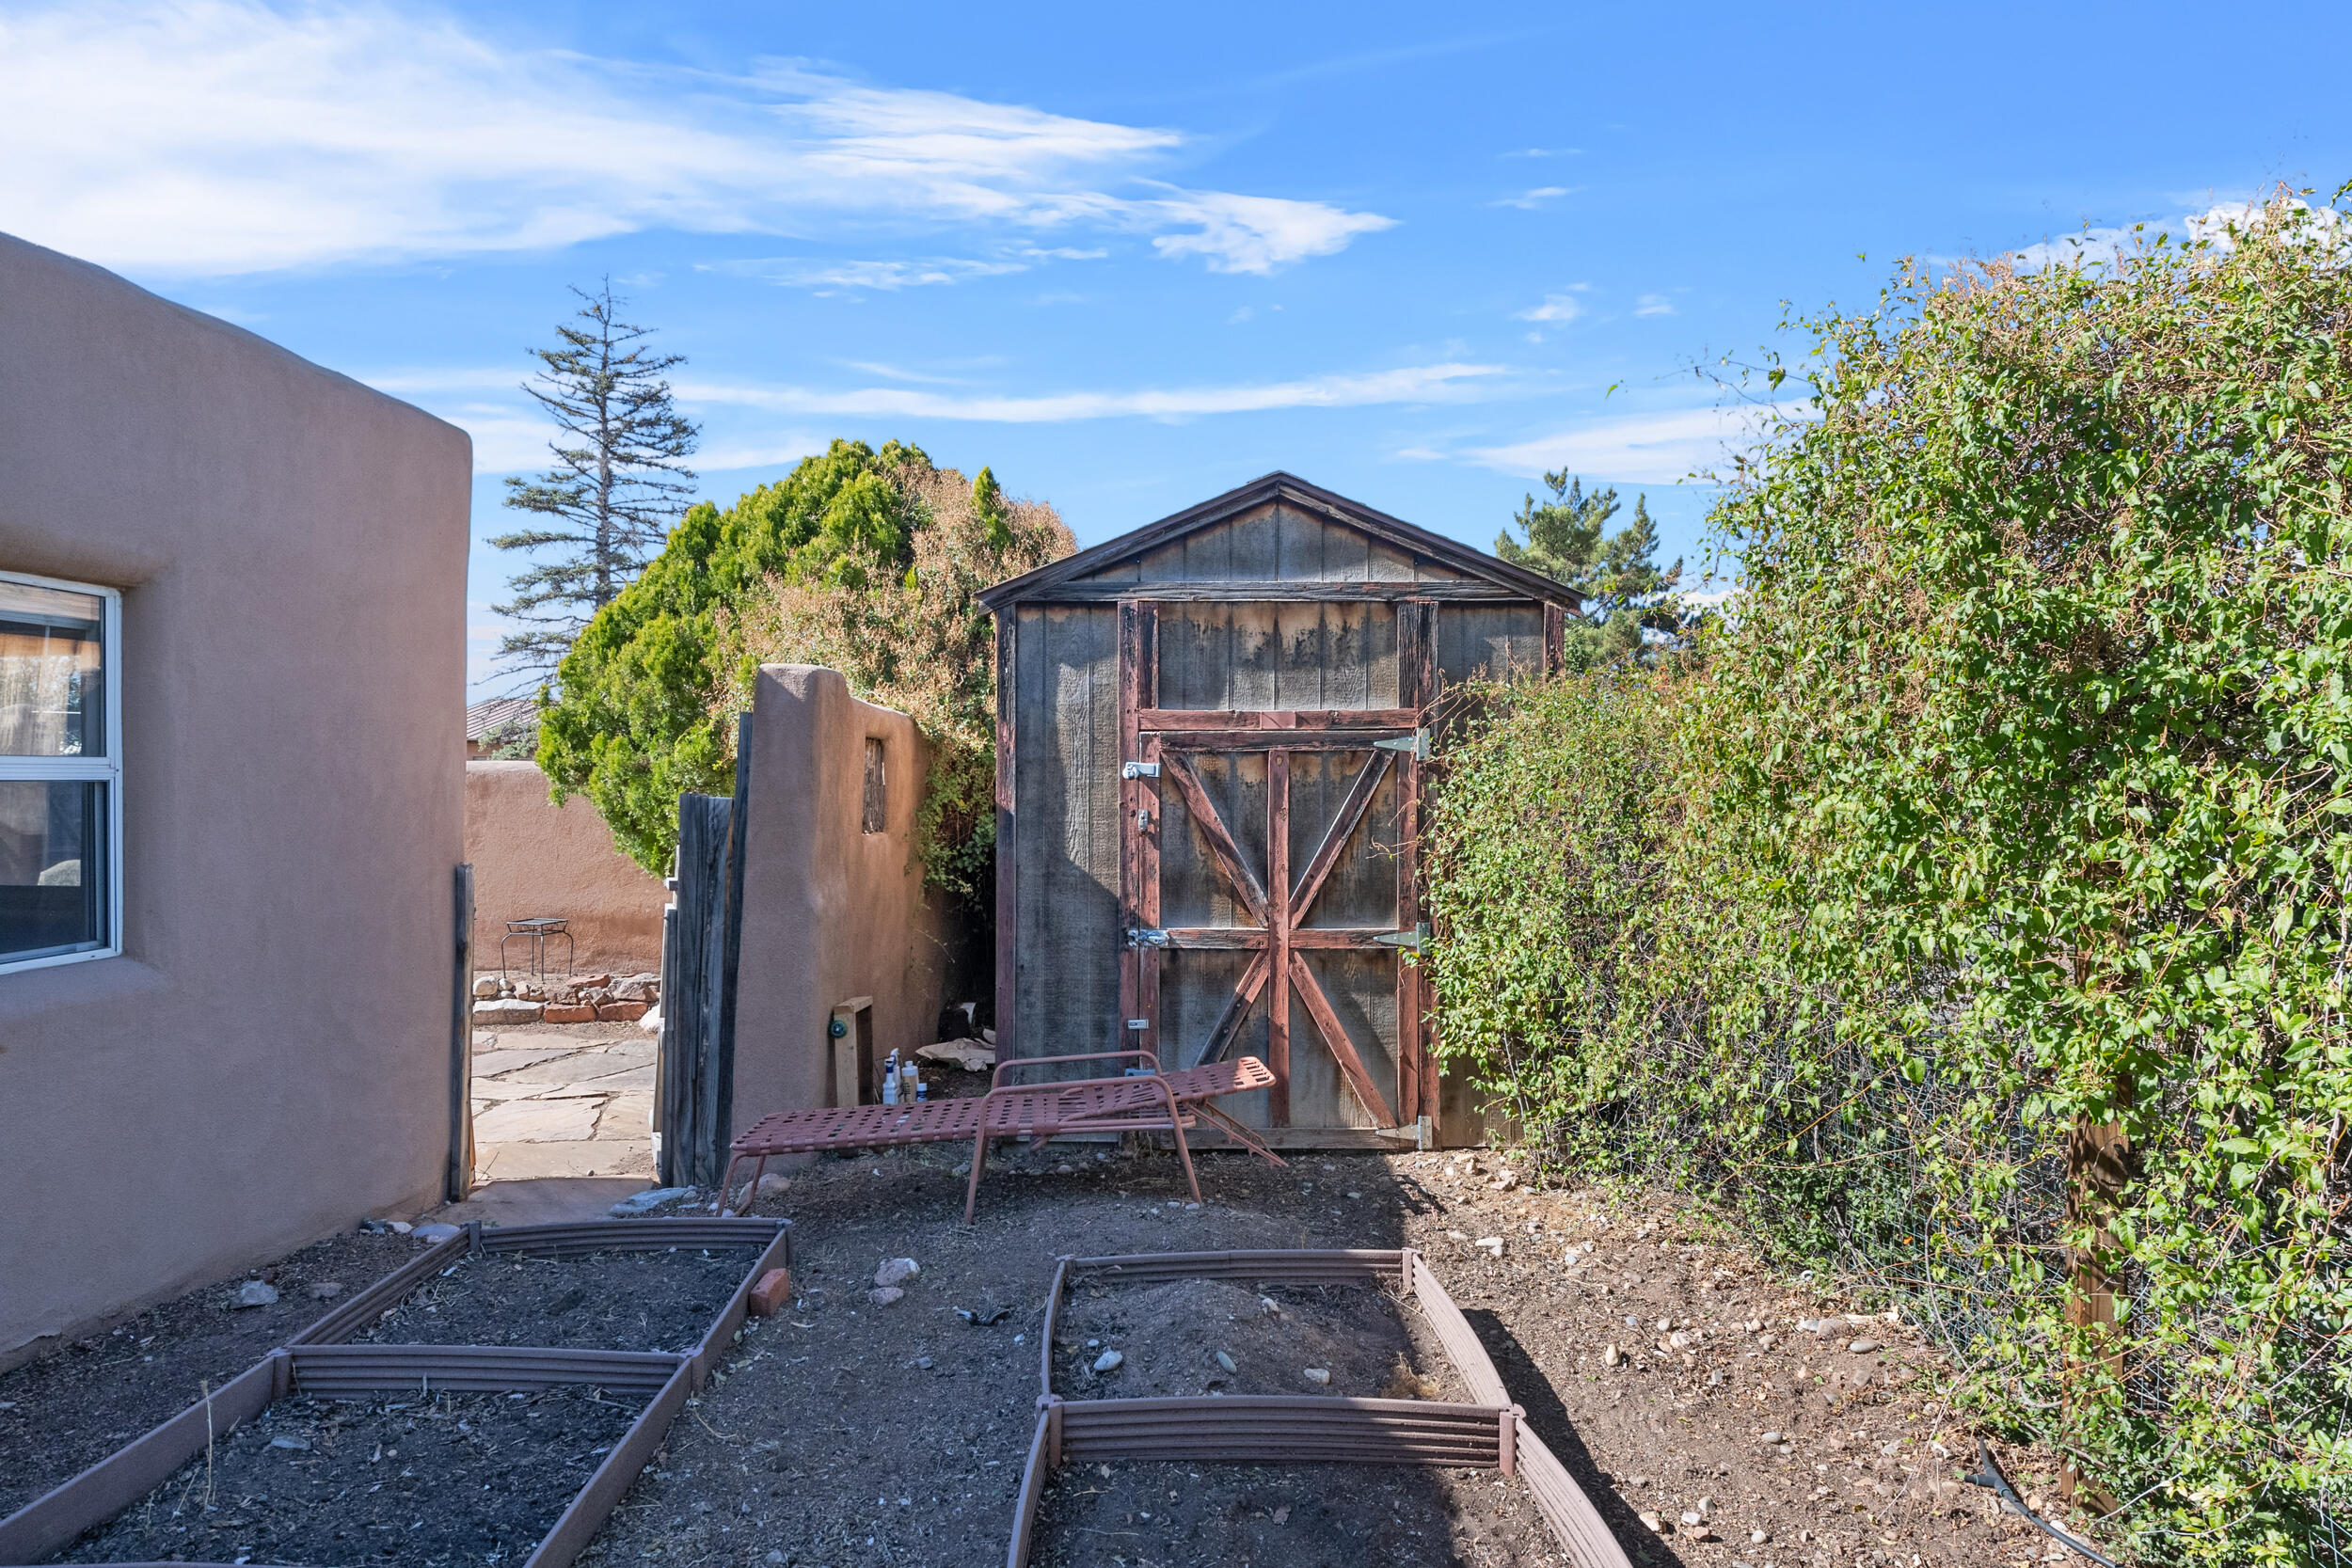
(536, 931)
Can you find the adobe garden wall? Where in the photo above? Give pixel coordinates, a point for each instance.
(532, 857)
(830, 911)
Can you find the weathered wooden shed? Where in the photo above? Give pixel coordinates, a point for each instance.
(1210, 739)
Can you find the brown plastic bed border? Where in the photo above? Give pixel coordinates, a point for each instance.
(1491, 1432)
(320, 1360)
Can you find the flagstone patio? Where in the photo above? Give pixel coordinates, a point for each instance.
(576, 1101)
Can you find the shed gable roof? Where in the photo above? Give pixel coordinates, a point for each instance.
(1068, 578)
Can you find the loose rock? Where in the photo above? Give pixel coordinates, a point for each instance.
(886, 1296)
(1108, 1361)
(896, 1271)
(646, 1201)
(1319, 1376)
(253, 1292)
(1227, 1362)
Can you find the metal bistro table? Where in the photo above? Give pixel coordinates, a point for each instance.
(538, 931)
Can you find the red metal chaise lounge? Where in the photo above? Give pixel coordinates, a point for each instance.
(1146, 1101)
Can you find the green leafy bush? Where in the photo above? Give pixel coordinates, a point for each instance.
(864, 559)
(2007, 814)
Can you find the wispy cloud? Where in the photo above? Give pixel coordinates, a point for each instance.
(1410, 383)
(1637, 449)
(1556, 307)
(208, 137)
(512, 439)
(836, 277)
(1653, 304)
(1527, 201)
(2099, 246)
(1544, 152)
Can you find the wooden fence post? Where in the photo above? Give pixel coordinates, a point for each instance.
(2099, 1165)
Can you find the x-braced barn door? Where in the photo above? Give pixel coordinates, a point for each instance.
(1268, 879)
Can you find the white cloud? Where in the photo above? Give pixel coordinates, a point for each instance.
(1653, 304)
(1256, 233)
(1528, 201)
(794, 271)
(1411, 383)
(2101, 247)
(512, 439)
(208, 137)
(1555, 308)
(1638, 449)
(1544, 153)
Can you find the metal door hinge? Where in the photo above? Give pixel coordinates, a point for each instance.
(1139, 770)
(1145, 936)
(1413, 938)
(1416, 743)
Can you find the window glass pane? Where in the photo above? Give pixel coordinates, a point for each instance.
(53, 872)
(52, 696)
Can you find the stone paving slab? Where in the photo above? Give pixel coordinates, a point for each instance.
(578, 1067)
(517, 1162)
(626, 1116)
(626, 1079)
(536, 1121)
(492, 1063)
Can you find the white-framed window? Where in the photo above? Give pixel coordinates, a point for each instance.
(60, 771)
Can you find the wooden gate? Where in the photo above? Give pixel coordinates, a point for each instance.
(1268, 879)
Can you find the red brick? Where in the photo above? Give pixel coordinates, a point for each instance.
(773, 1290)
(621, 1012)
(568, 1015)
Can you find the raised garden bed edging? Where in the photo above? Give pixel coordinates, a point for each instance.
(1275, 1428)
(319, 1360)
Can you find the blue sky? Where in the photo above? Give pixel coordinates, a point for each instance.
(1127, 256)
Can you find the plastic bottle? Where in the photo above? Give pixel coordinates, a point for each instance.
(922, 1092)
(910, 1087)
(890, 1080)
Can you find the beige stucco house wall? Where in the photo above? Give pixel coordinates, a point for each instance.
(830, 913)
(269, 1058)
(532, 857)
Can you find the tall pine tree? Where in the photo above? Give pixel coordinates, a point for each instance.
(1625, 588)
(617, 486)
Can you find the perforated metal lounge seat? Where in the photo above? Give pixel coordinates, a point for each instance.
(1152, 1101)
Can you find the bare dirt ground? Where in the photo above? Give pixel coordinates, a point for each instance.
(64, 1413)
(850, 1431)
(633, 1300)
(469, 1479)
(844, 1432)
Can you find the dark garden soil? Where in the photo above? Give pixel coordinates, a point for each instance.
(601, 1301)
(1169, 1338)
(465, 1478)
(845, 1431)
(60, 1415)
(1296, 1516)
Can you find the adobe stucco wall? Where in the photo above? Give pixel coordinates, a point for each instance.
(830, 912)
(532, 857)
(270, 1058)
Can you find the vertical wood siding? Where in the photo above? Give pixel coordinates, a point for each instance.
(1066, 781)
